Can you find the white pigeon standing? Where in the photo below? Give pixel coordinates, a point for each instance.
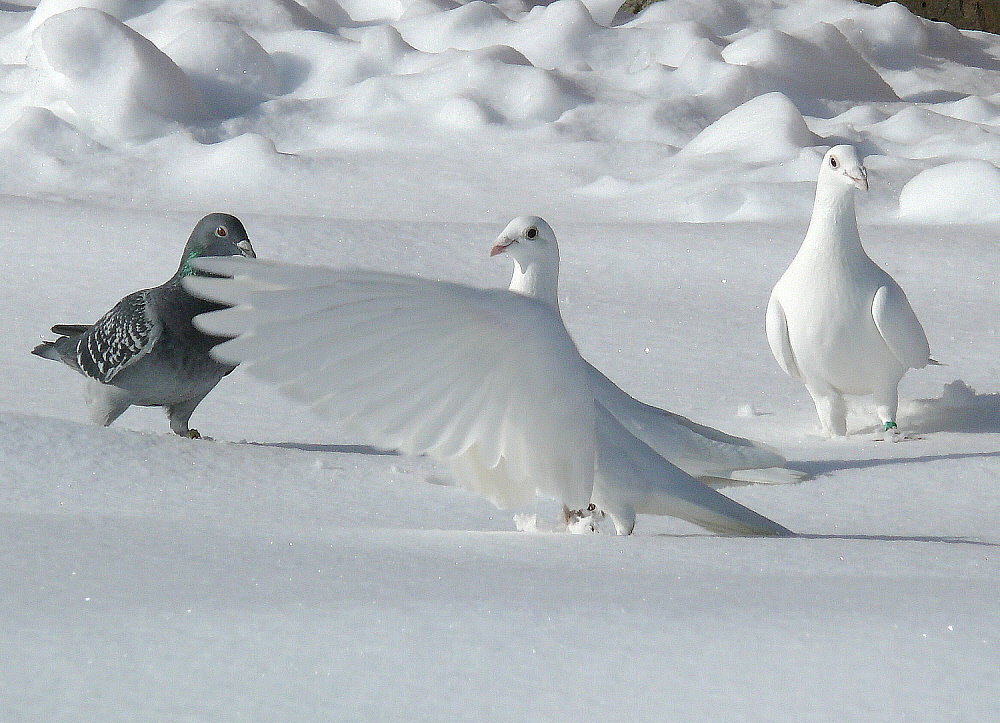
(486, 380)
(714, 457)
(836, 320)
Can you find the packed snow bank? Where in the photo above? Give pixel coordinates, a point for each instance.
(605, 104)
(767, 129)
(818, 63)
(116, 83)
(961, 192)
(226, 64)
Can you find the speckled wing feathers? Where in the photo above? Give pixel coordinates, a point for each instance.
(119, 338)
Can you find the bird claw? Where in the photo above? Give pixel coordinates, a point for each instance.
(583, 521)
(890, 433)
(193, 434)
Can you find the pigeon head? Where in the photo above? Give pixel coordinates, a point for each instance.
(531, 242)
(527, 239)
(842, 165)
(218, 234)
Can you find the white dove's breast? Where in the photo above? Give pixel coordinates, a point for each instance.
(828, 309)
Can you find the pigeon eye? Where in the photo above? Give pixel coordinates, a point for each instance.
(833, 162)
(531, 232)
(221, 231)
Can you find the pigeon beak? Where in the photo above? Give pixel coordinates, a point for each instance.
(501, 245)
(246, 248)
(860, 180)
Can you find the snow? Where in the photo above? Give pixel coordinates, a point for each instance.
(765, 129)
(957, 192)
(285, 571)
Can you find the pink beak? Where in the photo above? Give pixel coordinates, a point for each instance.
(500, 246)
(861, 181)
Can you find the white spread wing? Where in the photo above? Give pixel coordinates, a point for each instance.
(697, 449)
(632, 478)
(777, 337)
(487, 380)
(900, 327)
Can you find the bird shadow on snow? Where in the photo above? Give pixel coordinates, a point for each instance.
(819, 467)
(332, 448)
(947, 539)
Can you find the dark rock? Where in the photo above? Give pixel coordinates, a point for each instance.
(966, 14)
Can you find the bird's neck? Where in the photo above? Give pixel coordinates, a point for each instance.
(185, 269)
(834, 224)
(537, 281)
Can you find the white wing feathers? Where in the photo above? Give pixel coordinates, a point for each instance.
(487, 380)
(632, 478)
(699, 450)
(777, 338)
(900, 327)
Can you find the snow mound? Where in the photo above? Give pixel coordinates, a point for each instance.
(119, 9)
(816, 63)
(356, 85)
(473, 25)
(42, 131)
(960, 192)
(228, 66)
(114, 81)
(765, 129)
(314, 65)
(721, 17)
(720, 86)
(469, 88)
(958, 409)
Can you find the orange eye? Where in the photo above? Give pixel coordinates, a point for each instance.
(221, 231)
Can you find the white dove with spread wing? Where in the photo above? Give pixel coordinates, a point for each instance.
(485, 380)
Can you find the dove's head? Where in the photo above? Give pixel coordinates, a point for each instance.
(842, 166)
(528, 239)
(531, 242)
(218, 234)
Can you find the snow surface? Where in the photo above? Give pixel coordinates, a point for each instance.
(286, 571)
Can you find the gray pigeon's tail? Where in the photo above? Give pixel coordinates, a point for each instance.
(47, 350)
(70, 329)
(62, 350)
(57, 350)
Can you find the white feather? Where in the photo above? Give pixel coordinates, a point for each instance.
(777, 338)
(699, 450)
(485, 380)
(631, 478)
(900, 327)
(488, 381)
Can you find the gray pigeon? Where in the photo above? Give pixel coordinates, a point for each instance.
(145, 350)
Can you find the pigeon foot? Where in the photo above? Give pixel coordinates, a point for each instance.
(193, 434)
(583, 521)
(890, 433)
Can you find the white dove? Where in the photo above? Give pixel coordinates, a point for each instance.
(486, 380)
(835, 319)
(714, 457)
